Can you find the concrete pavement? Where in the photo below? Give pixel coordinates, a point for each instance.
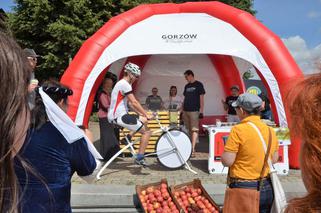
(115, 192)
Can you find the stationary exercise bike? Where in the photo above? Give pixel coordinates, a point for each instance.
(173, 148)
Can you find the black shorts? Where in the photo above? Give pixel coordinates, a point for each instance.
(130, 122)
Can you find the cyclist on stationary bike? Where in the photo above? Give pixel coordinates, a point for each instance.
(118, 111)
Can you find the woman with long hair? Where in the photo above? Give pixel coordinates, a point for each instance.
(174, 102)
(53, 158)
(14, 119)
(305, 109)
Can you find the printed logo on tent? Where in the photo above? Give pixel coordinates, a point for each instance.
(179, 38)
(254, 90)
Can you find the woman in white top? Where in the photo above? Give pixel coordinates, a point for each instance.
(174, 102)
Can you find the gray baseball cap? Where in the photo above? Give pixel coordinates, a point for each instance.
(248, 101)
(30, 53)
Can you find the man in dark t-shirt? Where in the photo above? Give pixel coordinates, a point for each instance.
(227, 103)
(193, 106)
(266, 108)
(154, 102)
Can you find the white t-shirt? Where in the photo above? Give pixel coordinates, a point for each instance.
(174, 102)
(118, 102)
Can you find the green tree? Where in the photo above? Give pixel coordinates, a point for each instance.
(57, 28)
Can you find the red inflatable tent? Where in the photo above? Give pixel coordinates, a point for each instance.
(212, 28)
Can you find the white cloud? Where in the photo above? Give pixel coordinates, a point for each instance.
(314, 14)
(309, 60)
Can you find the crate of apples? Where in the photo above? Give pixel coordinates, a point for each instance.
(193, 198)
(155, 198)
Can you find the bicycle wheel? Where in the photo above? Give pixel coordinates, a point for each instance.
(166, 154)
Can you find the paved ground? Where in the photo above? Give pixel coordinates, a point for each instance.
(124, 172)
(115, 192)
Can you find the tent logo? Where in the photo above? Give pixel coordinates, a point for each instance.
(179, 38)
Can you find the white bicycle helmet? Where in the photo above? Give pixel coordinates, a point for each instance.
(133, 69)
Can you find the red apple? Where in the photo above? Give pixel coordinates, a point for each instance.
(151, 196)
(166, 195)
(208, 205)
(154, 200)
(143, 192)
(185, 203)
(176, 194)
(182, 193)
(171, 204)
(156, 205)
(164, 185)
(163, 190)
(199, 191)
(150, 207)
(206, 201)
(157, 192)
(142, 199)
(160, 198)
(197, 198)
(212, 209)
(191, 200)
(194, 194)
(159, 210)
(187, 189)
(150, 189)
(166, 208)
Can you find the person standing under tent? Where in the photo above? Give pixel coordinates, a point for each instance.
(109, 144)
(193, 106)
(154, 102)
(173, 104)
(118, 111)
(227, 104)
(266, 108)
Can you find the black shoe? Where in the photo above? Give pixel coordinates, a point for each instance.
(141, 162)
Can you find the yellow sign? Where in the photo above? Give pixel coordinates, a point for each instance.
(254, 90)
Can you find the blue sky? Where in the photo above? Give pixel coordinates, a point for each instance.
(289, 18)
(297, 22)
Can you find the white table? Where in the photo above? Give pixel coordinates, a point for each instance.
(216, 149)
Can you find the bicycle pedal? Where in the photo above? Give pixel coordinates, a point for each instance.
(141, 162)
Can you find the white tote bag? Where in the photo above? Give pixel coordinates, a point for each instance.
(279, 202)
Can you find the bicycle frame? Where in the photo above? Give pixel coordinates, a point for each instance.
(162, 129)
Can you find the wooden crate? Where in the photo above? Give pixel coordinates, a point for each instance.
(164, 117)
(155, 186)
(195, 184)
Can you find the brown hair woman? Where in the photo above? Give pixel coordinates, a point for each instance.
(14, 119)
(305, 109)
